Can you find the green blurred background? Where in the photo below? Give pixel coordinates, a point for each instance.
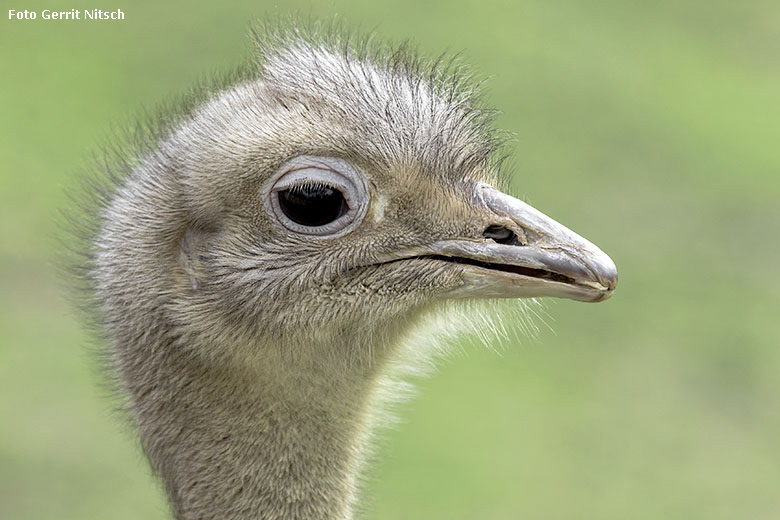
(653, 128)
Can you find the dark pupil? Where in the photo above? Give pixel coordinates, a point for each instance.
(312, 205)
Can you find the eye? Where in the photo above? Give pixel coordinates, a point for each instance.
(317, 196)
(312, 206)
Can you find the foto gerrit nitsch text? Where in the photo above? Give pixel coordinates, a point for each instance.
(73, 14)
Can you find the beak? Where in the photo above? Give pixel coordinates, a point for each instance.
(534, 256)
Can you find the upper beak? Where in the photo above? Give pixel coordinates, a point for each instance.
(544, 258)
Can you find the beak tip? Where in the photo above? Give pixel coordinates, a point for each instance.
(607, 275)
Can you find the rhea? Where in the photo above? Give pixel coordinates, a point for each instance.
(259, 268)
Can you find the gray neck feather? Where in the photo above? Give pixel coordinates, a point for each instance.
(241, 444)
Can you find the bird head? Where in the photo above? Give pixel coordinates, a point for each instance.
(334, 194)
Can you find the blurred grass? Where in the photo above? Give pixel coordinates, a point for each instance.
(650, 127)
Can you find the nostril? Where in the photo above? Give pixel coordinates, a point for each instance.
(501, 235)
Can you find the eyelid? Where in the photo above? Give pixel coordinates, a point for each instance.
(303, 177)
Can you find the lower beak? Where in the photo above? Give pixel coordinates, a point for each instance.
(544, 258)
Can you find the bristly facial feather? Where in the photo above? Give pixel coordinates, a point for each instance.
(417, 127)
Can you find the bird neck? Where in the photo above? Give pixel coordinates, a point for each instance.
(252, 443)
